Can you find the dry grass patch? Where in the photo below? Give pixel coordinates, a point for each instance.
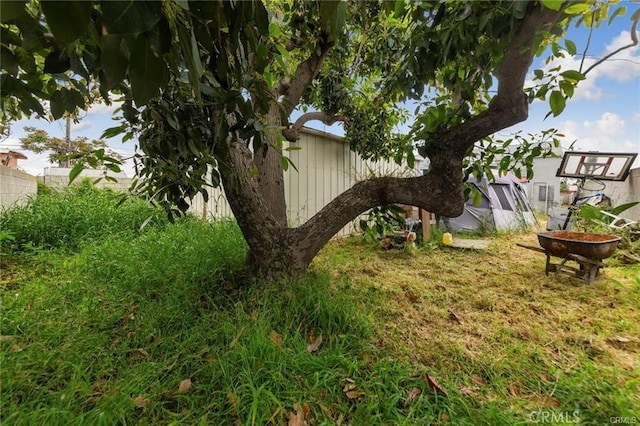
(494, 316)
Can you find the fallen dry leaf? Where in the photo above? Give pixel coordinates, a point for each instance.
(185, 386)
(235, 339)
(435, 386)
(349, 379)
(348, 387)
(455, 318)
(410, 294)
(445, 417)
(141, 401)
(315, 344)
(327, 411)
(138, 353)
(168, 396)
(297, 418)
(619, 339)
(306, 409)
(466, 391)
(275, 338)
(412, 395)
(354, 394)
(478, 380)
(544, 377)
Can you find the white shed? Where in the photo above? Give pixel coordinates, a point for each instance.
(326, 168)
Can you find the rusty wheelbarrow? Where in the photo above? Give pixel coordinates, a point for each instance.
(588, 250)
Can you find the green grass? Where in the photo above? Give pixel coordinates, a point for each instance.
(106, 332)
(73, 216)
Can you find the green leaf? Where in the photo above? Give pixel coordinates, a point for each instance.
(114, 59)
(57, 105)
(284, 163)
(477, 196)
(9, 61)
(147, 73)
(576, 9)
(573, 75)
(75, 172)
(68, 20)
(10, 9)
(567, 88)
(571, 47)
(26, 60)
(553, 4)
(505, 162)
(65, 100)
(557, 102)
(160, 37)
(112, 131)
(619, 11)
(539, 74)
(130, 17)
(590, 212)
(332, 16)
(622, 207)
(520, 9)
(411, 158)
(484, 19)
(56, 62)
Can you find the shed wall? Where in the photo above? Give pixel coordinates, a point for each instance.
(326, 167)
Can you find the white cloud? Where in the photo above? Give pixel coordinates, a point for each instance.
(84, 124)
(609, 125)
(103, 108)
(606, 134)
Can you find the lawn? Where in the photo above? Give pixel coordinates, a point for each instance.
(120, 325)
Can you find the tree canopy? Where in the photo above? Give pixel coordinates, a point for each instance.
(209, 88)
(67, 153)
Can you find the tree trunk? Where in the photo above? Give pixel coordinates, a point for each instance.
(270, 172)
(276, 251)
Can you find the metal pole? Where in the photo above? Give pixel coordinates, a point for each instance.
(68, 140)
(573, 204)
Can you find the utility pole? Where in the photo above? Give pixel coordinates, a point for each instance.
(68, 140)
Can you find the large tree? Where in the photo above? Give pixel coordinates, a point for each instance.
(210, 89)
(67, 152)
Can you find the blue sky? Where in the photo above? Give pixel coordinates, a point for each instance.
(603, 115)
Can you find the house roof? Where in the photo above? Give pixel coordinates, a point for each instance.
(14, 154)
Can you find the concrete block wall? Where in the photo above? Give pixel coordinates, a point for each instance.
(15, 187)
(58, 178)
(626, 192)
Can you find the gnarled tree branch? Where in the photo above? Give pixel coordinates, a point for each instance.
(510, 105)
(439, 190)
(293, 133)
(293, 88)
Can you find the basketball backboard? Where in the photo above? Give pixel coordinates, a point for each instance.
(596, 165)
